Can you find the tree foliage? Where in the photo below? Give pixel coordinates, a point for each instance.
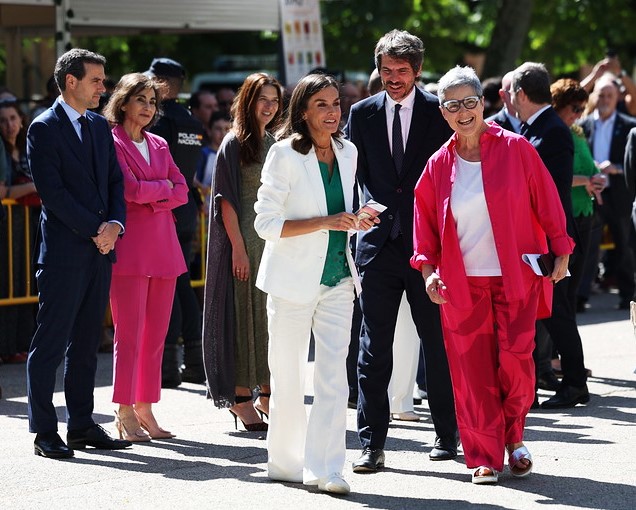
(564, 34)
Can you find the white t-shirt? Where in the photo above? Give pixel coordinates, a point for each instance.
(143, 148)
(472, 220)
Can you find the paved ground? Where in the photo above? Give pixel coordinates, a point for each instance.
(584, 457)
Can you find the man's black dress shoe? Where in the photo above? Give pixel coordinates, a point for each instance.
(51, 445)
(444, 449)
(623, 305)
(548, 381)
(96, 437)
(567, 396)
(370, 461)
(535, 402)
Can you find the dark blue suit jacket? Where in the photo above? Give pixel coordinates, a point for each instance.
(616, 196)
(553, 141)
(502, 119)
(77, 194)
(376, 174)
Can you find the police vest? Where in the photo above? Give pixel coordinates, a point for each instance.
(184, 135)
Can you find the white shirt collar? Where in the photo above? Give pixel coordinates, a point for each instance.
(597, 117)
(407, 102)
(72, 113)
(534, 116)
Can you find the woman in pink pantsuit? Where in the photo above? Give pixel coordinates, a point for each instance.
(485, 199)
(149, 258)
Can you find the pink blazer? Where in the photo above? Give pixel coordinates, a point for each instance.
(524, 207)
(149, 246)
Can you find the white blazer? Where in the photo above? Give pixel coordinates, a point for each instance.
(292, 189)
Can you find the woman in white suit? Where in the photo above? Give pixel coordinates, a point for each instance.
(304, 214)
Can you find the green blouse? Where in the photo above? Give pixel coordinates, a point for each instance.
(582, 203)
(336, 267)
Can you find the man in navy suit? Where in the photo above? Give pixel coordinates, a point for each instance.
(396, 131)
(507, 116)
(530, 95)
(74, 166)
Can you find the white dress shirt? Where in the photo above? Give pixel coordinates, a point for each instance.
(406, 113)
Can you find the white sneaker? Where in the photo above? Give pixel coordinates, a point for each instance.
(335, 484)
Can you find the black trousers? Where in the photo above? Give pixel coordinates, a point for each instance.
(565, 335)
(185, 319)
(384, 280)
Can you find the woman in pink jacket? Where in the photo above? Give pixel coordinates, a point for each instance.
(149, 258)
(484, 200)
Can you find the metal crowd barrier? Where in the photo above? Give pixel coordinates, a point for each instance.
(30, 296)
(12, 297)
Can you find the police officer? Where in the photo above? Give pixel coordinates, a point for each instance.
(184, 135)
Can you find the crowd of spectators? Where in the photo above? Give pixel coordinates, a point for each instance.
(583, 132)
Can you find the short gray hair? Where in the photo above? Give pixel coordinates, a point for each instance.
(459, 76)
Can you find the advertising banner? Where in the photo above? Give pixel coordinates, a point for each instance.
(301, 29)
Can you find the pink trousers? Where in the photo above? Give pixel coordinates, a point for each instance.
(141, 308)
(489, 352)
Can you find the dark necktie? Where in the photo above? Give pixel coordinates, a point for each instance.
(398, 159)
(398, 142)
(86, 138)
(523, 130)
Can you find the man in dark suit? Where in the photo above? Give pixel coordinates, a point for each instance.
(388, 169)
(507, 116)
(72, 158)
(606, 131)
(530, 95)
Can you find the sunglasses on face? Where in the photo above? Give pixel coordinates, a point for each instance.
(453, 105)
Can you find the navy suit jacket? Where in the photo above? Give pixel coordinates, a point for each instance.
(616, 196)
(553, 141)
(376, 174)
(77, 194)
(502, 119)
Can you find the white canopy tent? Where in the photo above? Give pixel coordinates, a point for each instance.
(61, 18)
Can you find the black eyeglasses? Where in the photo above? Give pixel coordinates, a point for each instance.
(577, 108)
(453, 105)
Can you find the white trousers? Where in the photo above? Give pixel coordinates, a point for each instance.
(406, 355)
(302, 450)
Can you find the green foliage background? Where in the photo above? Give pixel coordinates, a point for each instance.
(564, 34)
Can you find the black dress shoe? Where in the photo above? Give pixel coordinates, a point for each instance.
(444, 449)
(567, 396)
(370, 461)
(535, 402)
(51, 446)
(548, 381)
(623, 305)
(96, 437)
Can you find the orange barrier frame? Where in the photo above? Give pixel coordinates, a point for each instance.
(30, 295)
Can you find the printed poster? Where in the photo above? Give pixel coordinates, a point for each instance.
(303, 45)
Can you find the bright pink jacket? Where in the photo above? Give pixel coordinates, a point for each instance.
(149, 246)
(523, 205)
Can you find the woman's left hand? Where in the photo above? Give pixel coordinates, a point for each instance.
(560, 268)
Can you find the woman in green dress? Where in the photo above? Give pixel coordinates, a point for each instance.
(235, 317)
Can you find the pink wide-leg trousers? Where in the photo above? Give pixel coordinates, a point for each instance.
(141, 308)
(489, 351)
